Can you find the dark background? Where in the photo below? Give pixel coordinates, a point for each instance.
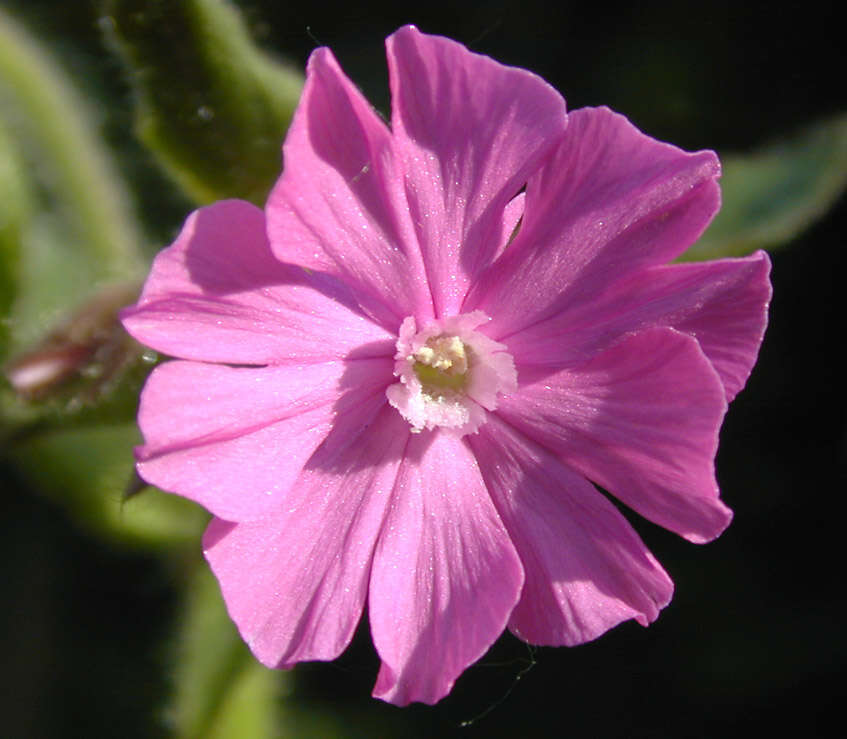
(753, 640)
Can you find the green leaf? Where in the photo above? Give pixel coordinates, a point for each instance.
(66, 225)
(210, 105)
(86, 470)
(771, 196)
(15, 210)
(61, 145)
(221, 691)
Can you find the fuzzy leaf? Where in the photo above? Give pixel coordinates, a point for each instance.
(210, 105)
(86, 470)
(221, 690)
(771, 196)
(66, 224)
(52, 126)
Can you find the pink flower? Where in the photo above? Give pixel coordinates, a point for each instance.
(400, 382)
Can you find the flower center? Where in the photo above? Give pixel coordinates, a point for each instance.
(450, 374)
(442, 365)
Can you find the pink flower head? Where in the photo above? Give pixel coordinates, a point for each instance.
(400, 383)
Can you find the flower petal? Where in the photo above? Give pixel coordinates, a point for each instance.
(641, 420)
(295, 581)
(219, 295)
(339, 206)
(234, 440)
(445, 576)
(469, 132)
(723, 304)
(609, 201)
(512, 216)
(586, 569)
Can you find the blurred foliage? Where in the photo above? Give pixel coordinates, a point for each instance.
(86, 469)
(209, 104)
(772, 195)
(58, 136)
(220, 689)
(15, 211)
(67, 233)
(67, 229)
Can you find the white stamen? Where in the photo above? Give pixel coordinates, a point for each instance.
(450, 374)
